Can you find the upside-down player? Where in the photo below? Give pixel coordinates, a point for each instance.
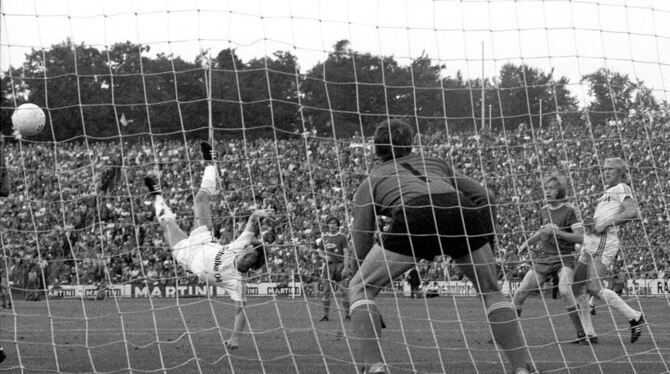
(334, 249)
(198, 252)
(615, 208)
(561, 229)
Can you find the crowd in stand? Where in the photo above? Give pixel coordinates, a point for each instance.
(60, 223)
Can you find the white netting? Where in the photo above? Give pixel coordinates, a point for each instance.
(290, 92)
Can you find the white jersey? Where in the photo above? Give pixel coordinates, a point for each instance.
(611, 203)
(212, 261)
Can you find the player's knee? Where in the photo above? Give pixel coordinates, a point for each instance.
(600, 293)
(565, 291)
(521, 293)
(594, 290)
(359, 291)
(201, 197)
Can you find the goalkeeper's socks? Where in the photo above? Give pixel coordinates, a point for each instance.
(152, 184)
(3, 356)
(507, 332)
(366, 330)
(209, 180)
(207, 152)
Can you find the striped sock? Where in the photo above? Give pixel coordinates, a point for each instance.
(366, 328)
(573, 313)
(507, 332)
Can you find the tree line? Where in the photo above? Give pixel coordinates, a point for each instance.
(123, 90)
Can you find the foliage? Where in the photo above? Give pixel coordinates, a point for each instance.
(614, 95)
(87, 91)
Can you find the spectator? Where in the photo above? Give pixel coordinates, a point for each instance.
(91, 236)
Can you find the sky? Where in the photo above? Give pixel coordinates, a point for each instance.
(573, 37)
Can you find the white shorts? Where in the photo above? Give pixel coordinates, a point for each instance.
(185, 251)
(600, 247)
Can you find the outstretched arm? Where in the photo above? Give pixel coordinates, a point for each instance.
(238, 325)
(254, 224)
(364, 221)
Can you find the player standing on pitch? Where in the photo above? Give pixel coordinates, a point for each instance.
(561, 229)
(615, 208)
(198, 252)
(335, 252)
(4, 192)
(434, 211)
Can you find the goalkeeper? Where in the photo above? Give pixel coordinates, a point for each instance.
(198, 252)
(434, 211)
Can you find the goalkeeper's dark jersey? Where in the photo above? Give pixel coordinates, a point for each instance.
(335, 246)
(416, 184)
(393, 183)
(566, 217)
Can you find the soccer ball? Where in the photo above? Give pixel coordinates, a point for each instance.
(28, 119)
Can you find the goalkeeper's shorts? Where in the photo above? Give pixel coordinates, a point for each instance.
(601, 248)
(433, 225)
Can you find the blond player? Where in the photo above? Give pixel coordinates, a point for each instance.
(615, 208)
(561, 230)
(198, 252)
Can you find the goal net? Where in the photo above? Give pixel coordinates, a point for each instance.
(289, 93)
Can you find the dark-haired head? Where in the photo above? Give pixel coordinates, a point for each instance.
(333, 219)
(253, 258)
(393, 139)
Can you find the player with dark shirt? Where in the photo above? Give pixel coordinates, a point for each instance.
(435, 211)
(561, 229)
(334, 249)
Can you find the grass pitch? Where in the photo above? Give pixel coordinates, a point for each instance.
(425, 336)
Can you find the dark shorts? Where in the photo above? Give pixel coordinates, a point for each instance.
(333, 271)
(551, 269)
(452, 225)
